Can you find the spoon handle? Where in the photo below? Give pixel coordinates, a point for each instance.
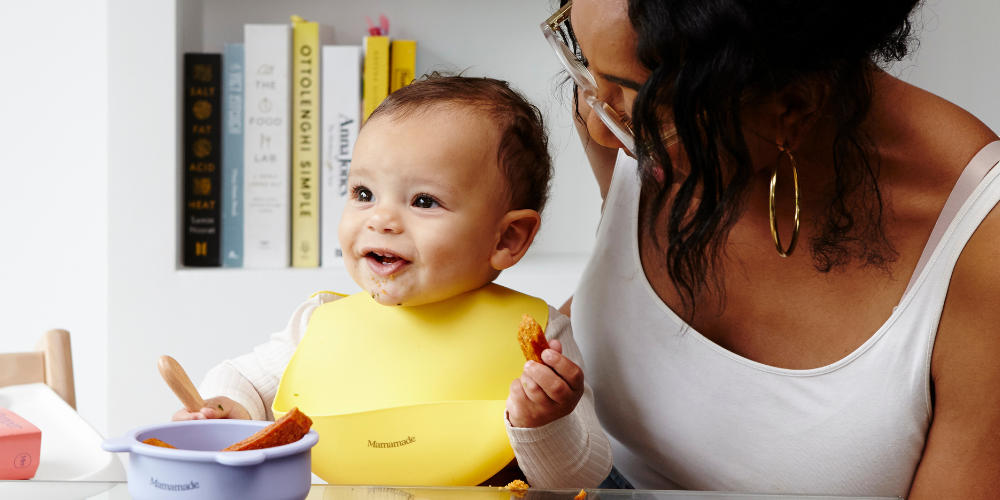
(179, 382)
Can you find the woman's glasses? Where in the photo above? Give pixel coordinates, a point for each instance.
(558, 33)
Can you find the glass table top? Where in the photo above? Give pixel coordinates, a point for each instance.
(88, 490)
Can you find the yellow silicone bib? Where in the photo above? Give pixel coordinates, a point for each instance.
(409, 395)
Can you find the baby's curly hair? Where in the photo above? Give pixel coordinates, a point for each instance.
(522, 152)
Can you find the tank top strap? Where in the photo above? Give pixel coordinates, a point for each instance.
(971, 177)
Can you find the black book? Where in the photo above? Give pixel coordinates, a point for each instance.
(202, 159)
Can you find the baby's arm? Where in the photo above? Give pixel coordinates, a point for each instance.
(246, 386)
(573, 450)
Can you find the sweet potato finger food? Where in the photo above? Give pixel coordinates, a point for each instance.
(157, 442)
(581, 495)
(531, 338)
(285, 430)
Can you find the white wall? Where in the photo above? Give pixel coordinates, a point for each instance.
(959, 56)
(54, 185)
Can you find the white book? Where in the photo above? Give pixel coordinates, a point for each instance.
(266, 153)
(340, 119)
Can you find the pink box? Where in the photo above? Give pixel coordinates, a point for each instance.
(20, 446)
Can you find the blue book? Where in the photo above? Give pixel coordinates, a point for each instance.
(232, 155)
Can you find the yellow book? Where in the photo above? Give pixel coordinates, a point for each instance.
(376, 77)
(305, 142)
(404, 64)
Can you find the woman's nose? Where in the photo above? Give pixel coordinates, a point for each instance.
(385, 220)
(600, 132)
(596, 128)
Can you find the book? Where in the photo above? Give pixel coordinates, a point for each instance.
(403, 63)
(266, 137)
(341, 119)
(201, 159)
(307, 38)
(376, 77)
(232, 155)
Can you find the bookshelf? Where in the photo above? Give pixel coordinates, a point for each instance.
(202, 316)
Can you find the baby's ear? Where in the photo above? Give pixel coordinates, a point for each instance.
(517, 231)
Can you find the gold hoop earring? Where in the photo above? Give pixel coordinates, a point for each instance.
(774, 211)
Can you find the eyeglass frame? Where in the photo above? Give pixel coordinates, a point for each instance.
(621, 127)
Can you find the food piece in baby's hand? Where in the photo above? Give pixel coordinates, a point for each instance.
(157, 442)
(531, 338)
(285, 430)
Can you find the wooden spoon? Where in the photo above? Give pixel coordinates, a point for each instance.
(178, 381)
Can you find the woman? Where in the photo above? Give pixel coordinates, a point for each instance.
(765, 309)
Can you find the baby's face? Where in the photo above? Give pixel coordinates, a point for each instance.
(424, 211)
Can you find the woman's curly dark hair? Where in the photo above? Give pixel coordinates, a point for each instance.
(705, 57)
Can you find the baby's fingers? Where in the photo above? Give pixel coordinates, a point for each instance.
(215, 411)
(519, 412)
(555, 388)
(223, 407)
(184, 415)
(532, 388)
(562, 366)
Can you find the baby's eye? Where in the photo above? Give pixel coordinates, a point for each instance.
(363, 194)
(425, 201)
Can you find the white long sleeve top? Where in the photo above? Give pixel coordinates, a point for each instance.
(570, 452)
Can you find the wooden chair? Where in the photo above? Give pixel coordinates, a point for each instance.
(51, 363)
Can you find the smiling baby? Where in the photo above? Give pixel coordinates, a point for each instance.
(448, 180)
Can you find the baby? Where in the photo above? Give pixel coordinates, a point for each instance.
(448, 179)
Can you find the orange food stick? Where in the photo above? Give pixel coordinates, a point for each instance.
(287, 429)
(581, 495)
(157, 442)
(531, 338)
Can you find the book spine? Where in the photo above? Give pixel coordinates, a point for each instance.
(266, 155)
(403, 64)
(376, 78)
(232, 155)
(341, 119)
(202, 154)
(305, 143)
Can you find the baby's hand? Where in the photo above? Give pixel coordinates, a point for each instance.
(220, 407)
(545, 393)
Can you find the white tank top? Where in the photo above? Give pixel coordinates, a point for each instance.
(684, 413)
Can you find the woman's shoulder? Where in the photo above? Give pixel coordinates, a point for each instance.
(927, 132)
(925, 143)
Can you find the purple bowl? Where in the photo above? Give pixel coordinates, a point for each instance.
(202, 472)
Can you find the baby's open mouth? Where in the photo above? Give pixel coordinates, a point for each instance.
(384, 263)
(383, 259)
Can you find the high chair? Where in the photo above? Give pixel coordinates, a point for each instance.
(50, 363)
